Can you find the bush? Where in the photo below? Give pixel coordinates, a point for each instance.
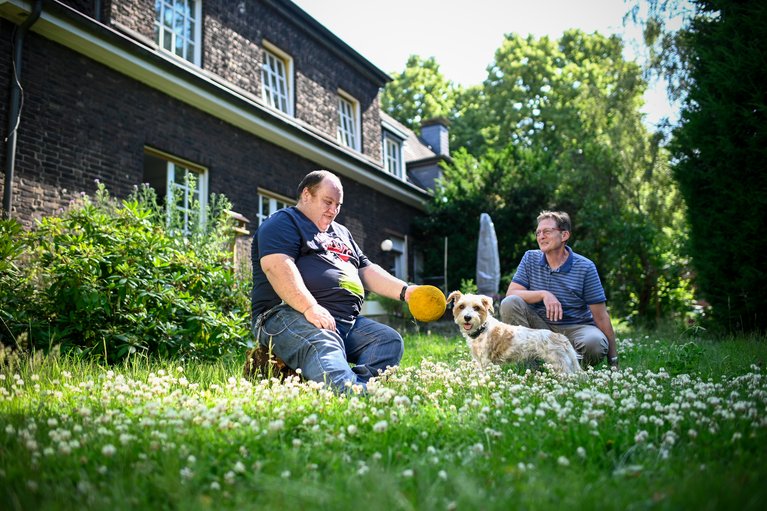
(16, 291)
(119, 279)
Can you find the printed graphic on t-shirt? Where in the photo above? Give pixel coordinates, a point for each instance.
(336, 248)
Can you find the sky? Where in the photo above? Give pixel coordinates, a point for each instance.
(463, 35)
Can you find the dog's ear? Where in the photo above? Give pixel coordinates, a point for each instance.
(487, 302)
(454, 296)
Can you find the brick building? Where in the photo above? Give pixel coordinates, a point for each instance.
(244, 95)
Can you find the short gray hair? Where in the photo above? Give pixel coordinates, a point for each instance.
(560, 217)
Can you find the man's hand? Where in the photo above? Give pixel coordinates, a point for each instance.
(319, 316)
(553, 307)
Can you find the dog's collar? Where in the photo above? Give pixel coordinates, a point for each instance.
(479, 331)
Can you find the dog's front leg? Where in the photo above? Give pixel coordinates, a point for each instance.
(478, 352)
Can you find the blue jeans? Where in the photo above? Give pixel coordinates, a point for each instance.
(323, 355)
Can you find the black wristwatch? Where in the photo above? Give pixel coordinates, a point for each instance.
(402, 293)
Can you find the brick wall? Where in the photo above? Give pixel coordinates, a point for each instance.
(232, 48)
(83, 121)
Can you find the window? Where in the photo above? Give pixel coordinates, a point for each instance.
(392, 149)
(276, 79)
(186, 182)
(348, 122)
(268, 203)
(399, 251)
(177, 27)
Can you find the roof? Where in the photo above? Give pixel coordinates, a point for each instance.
(327, 38)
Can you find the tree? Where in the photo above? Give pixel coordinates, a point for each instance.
(419, 93)
(721, 152)
(557, 126)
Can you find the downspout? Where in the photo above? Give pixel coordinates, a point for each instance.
(97, 10)
(14, 106)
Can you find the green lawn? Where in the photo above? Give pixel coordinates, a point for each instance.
(683, 425)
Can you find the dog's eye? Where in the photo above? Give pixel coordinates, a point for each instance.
(461, 307)
(476, 308)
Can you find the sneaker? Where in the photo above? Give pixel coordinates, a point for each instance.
(261, 363)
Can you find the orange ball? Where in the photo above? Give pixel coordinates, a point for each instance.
(427, 303)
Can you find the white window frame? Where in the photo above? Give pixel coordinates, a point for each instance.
(399, 251)
(393, 155)
(175, 167)
(271, 202)
(277, 79)
(349, 132)
(188, 14)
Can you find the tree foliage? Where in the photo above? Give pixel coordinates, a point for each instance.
(419, 93)
(721, 153)
(556, 125)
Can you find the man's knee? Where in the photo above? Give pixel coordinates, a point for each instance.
(593, 349)
(513, 310)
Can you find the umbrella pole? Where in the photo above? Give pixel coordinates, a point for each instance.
(444, 274)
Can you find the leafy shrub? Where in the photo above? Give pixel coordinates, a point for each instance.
(16, 291)
(117, 279)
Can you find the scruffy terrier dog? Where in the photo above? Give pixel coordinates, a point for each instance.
(492, 341)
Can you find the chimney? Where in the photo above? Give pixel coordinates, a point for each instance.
(434, 133)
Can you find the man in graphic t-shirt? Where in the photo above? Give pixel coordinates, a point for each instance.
(309, 281)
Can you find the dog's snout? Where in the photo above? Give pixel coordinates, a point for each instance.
(467, 317)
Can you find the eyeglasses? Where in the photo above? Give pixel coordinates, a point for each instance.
(546, 232)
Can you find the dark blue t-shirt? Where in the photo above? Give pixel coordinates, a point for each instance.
(328, 262)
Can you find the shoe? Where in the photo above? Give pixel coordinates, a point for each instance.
(260, 363)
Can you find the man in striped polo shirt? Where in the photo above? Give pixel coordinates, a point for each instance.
(556, 289)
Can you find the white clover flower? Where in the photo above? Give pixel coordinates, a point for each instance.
(351, 429)
(215, 486)
(380, 427)
(563, 461)
(108, 450)
(285, 474)
(276, 425)
(407, 472)
(186, 473)
(239, 467)
(297, 443)
(581, 452)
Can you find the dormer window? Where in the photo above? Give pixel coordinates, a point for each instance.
(348, 121)
(177, 28)
(277, 79)
(392, 155)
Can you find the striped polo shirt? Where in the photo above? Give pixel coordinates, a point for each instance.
(576, 285)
